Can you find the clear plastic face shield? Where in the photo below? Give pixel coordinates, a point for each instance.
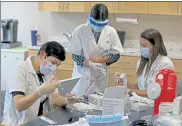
(97, 26)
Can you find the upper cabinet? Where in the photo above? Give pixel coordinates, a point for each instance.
(112, 6)
(133, 7)
(180, 8)
(76, 6)
(51, 6)
(163, 8)
(64, 6)
(167, 8)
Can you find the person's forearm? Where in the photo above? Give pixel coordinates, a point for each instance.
(132, 86)
(86, 63)
(24, 102)
(58, 100)
(138, 92)
(108, 60)
(104, 60)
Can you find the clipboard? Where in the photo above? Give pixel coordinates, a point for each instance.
(67, 85)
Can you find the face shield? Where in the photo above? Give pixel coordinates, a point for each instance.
(97, 26)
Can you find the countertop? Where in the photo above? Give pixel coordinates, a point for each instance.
(20, 49)
(127, 51)
(62, 115)
(136, 52)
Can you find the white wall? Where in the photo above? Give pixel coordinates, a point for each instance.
(52, 24)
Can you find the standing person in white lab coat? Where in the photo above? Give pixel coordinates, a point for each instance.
(153, 59)
(34, 91)
(94, 46)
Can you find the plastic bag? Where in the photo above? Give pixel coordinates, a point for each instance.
(168, 120)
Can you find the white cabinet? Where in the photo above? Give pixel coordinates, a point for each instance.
(3, 71)
(9, 60)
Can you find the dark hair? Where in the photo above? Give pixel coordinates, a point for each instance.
(54, 49)
(155, 38)
(99, 12)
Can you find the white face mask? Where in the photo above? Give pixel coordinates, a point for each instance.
(49, 68)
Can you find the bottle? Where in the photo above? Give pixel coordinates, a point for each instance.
(127, 105)
(168, 81)
(35, 36)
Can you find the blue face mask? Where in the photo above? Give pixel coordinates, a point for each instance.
(145, 52)
(49, 68)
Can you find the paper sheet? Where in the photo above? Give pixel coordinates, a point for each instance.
(113, 106)
(73, 124)
(47, 120)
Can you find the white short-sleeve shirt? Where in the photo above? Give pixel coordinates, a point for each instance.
(25, 80)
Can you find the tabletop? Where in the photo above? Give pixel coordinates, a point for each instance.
(62, 115)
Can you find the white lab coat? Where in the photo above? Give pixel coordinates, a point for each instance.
(161, 62)
(25, 81)
(83, 43)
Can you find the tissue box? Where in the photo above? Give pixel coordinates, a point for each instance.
(95, 99)
(138, 106)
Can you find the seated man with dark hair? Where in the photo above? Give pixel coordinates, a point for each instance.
(34, 90)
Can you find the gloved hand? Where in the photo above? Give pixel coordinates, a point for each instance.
(117, 79)
(97, 67)
(48, 87)
(72, 98)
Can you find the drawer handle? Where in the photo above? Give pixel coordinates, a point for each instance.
(18, 58)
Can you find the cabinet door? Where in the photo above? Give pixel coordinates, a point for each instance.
(178, 68)
(68, 60)
(32, 52)
(112, 6)
(8, 66)
(177, 64)
(168, 8)
(133, 7)
(51, 6)
(64, 71)
(4, 70)
(128, 62)
(14, 59)
(76, 6)
(180, 8)
(179, 75)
